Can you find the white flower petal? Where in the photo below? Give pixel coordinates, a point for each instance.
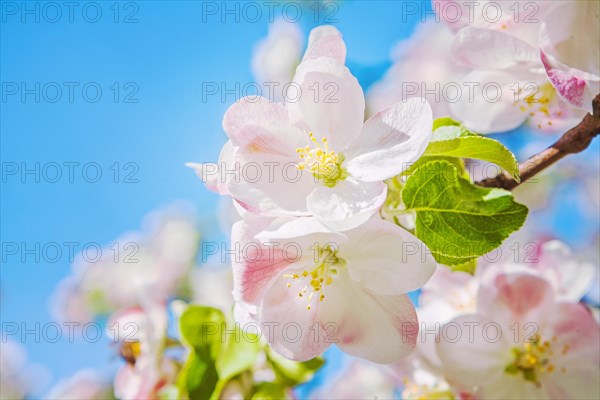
(289, 327)
(255, 266)
(387, 259)
(293, 227)
(330, 102)
(491, 107)
(325, 41)
(469, 360)
(256, 125)
(348, 204)
(482, 48)
(379, 328)
(390, 141)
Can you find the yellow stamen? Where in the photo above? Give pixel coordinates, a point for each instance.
(322, 275)
(325, 165)
(533, 359)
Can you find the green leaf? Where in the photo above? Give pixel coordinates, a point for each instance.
(457, 220)
(291, 373)
(239, 354)
(200, 329)
(457, 162)
(269, 391)
(198, 377)
(468, 266)
(450, 139)
(170, 392)
(444, 121)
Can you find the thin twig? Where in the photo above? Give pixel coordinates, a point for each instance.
(575, 140)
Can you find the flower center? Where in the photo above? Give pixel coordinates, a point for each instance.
(325, 165)
(533, 359)
(326, 268)
(541, 104)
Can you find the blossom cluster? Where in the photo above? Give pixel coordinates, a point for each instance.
(513, 330)
(352, 269)
(495, 74)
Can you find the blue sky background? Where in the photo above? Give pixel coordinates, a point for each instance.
(168, 53)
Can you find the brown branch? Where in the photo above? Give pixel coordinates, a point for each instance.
(575, 140)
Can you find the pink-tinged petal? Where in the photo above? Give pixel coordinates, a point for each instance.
(570, 34)
(492, 110)
(516, 296)
(390, 141)
(290, 328)
(387, 259)
(328, 101)
(348, 204)
(570, 84)
(470, 361)
(569, 37)
(325, 41)
(482, 48)
(255, 266)
(256, 125)
(382, 329)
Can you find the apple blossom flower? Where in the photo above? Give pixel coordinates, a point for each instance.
(454, 293)
(507, 84)
(348, 288)
(424, 67)
(569, 37)
(538, 347)
(338, 163)
(160, 256)
(448, 294)
(141, 333)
